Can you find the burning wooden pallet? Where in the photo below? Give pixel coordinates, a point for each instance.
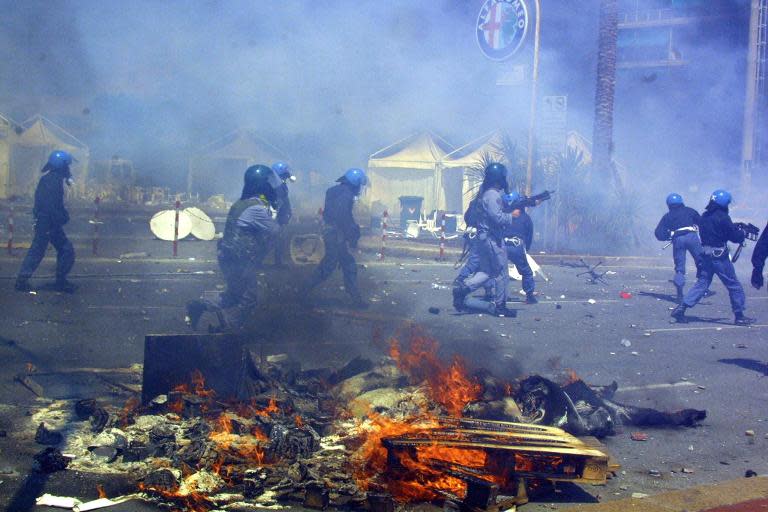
(477, 460)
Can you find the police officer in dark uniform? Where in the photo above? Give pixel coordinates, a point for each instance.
(486, 213)
(759, 254)
(284, 213)
(518, 238)
(680, 225)
(717, 229)
(341, 233)
(50, 218)
(248, 235)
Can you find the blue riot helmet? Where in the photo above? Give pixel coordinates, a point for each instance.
(721, 198)
(59, 162)
(355, 177)
(511, 198)
(495, 175)
(283, 171)
(674, 200)
(260, 180)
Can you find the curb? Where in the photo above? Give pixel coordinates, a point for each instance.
(742, 495)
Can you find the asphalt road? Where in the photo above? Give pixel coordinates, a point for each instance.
(708, 363)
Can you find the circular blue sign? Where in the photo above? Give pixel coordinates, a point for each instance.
(501, 28)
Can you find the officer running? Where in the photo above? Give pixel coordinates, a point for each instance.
(284, 213)
(759, 254)
(488, 256)
(717, 229)
(248, 234)
(518, 238)
(50, 217)
(680, 226)
(340, 234)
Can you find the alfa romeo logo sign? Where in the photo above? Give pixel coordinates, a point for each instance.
(501, 28)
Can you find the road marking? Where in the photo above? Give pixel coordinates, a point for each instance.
(718, 328)
(681, 384)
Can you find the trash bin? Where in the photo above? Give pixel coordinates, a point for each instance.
(410, 209)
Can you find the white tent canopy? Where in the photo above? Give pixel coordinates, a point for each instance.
(41, 136)
(409, 167)
(219, 166)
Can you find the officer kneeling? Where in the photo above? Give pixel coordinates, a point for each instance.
(717, 229)
(248, 235)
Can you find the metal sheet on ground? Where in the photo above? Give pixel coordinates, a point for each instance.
(162, 225)
(202, 226)
(171, 360)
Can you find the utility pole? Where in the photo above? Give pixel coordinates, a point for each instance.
(534, 100)
(754, 133)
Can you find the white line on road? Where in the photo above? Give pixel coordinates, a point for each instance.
(718, 328)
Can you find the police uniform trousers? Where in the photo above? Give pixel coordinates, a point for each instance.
(46, 232)
(716, 263)
(681, 246)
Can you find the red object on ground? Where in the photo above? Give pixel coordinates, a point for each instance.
(638, 436)
(625, 295)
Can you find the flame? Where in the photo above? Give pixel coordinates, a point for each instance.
(447, 385)
(101, 491)
(125, 415)
(198, 383)
(249, 446)
(570, 377)
(298, 421)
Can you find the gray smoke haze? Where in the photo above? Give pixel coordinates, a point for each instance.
(332, 81)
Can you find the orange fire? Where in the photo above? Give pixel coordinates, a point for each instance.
(298, 421)
(447, 385)
(248, 446)
(101, 491)
(131, 405)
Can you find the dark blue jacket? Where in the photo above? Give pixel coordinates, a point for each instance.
(760, 253)
(716, 228)
(283, 203)
(677, 217)
(521, 227)
(337, 213)
(49, 199)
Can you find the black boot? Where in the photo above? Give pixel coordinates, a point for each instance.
(460, 292)
(679, 294)
(530, 298)
(679, 313)
(743, 320)
(64, 286)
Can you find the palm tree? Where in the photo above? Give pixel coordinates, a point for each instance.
(606, 85)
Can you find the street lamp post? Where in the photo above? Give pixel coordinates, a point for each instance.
(534, 99)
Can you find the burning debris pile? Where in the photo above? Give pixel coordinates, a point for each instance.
(412, 428)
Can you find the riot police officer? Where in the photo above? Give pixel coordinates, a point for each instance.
(50, 218)
(759, 254)
(680, 225)
(248, 235)
(518, 238)
(284, 212)
(341, 233)
(717, 229)
(487, 215)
